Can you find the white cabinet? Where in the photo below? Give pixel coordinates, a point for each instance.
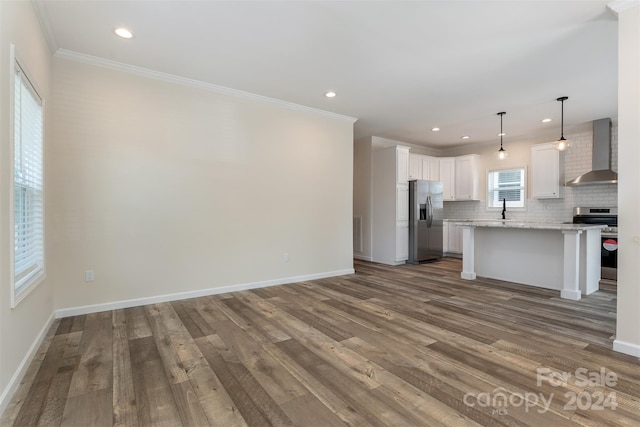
(430, 168)
(451, 238)
(445, 236)
(402, 164)
(545, 172)
(415, 166)
(402, 223)
(455, 239)
(447, 166)
(459, 175)
(402, 244)
(466, 177)
(390, 205)
(402, 202)
(424, 167)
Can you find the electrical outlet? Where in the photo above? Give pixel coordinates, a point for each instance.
(88, 276)
(285, 257)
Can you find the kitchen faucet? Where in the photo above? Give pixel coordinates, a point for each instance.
(504, 208)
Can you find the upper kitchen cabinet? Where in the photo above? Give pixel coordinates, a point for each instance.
(424, 167)
(430, 168)
(447, 166)
(466, 177)
(415, 166)
(402, 165)
(545, 172)
(459, 175)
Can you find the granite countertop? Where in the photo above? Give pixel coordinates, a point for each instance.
(499, 223)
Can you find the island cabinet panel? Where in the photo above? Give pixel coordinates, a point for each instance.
(447, 166)
(451, 238)
(546, 179)
(564, 257)
(466, 177)
(455, 239)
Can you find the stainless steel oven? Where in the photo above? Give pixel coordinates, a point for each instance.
(609, 239)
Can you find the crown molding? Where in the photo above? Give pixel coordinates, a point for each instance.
(619, 6)
(171, 78)
(43, 19)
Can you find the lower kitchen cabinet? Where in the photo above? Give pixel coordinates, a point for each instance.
(455, 239)
(452, 238)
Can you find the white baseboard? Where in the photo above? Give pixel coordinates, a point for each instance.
(626, 348)
(570, 294)
(362, 257)
(95, 308)
(14, 382)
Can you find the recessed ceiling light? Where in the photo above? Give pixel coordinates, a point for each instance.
(435, 129)
(123, 32)
(466, 137)
(546, 120)
(330, 94)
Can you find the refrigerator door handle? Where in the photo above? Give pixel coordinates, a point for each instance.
(430, 213)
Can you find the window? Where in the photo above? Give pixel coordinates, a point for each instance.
(28, 188)
(506, 185)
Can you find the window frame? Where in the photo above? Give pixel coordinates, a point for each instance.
(19, 294)
(523, 185)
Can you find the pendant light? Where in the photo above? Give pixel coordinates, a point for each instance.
(562, 144)
(501, 154)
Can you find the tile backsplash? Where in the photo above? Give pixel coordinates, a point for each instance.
(577, 160)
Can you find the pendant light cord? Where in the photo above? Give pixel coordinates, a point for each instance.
(562, 99)
(501, 132)
(562, 120)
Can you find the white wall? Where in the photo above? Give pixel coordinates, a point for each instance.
(628, 324)
(20, 327)
(162, 188)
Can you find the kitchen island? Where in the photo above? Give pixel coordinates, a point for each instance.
(565, 257)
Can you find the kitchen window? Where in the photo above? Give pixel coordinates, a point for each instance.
(27, 195)
(506, 186)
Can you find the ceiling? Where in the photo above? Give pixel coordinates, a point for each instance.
(401, 68)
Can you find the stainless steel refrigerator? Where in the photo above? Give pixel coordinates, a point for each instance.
(425, 221)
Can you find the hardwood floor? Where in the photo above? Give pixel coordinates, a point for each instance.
(399, 346)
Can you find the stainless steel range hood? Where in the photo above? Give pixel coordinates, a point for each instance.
(601, 172)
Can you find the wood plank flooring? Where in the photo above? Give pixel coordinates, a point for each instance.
(387, 346)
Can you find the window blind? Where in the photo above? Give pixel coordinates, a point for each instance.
(28, 184)
(507, 185)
